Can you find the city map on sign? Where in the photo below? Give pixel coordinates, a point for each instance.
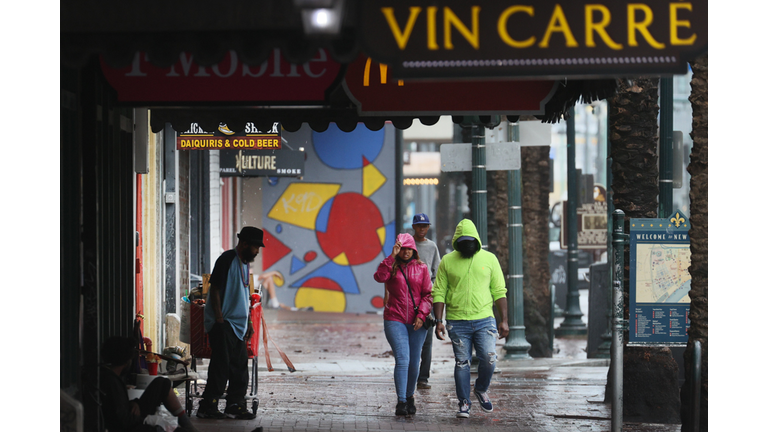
(662, 273)
(659, 281)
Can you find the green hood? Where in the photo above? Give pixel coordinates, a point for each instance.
(465, 228)
(468, 286)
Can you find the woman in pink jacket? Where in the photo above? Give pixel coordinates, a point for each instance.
(404, 315)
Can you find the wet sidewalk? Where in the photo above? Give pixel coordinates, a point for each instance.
(344, 382)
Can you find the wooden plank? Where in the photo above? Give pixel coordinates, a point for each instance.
(206, 284)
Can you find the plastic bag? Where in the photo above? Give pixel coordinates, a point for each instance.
(164, 419)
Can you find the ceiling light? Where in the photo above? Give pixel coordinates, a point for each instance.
(322, 18)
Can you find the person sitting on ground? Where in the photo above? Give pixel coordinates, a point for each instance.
(409, 301)
(122, 414)
(267, 280)
(269, 299)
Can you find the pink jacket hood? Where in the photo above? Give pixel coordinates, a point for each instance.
(406, 240)
(400, 305)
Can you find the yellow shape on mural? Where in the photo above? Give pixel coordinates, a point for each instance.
(373, 179)
(278, 279)
(341, 259)
(321, 300)
(301, 202)
(382, 232)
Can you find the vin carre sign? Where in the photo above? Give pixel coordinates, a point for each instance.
(491, 38)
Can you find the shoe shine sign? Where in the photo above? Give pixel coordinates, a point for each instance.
(545, 38)
(251, 153)
(275, 81)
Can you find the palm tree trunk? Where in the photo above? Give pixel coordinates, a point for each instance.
(651, 391)
(698, 168)
(535, 200)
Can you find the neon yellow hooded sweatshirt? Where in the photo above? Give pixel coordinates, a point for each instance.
(468, 286)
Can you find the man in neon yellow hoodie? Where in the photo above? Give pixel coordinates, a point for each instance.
(469, 281)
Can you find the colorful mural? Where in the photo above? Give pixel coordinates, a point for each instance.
(326, 233)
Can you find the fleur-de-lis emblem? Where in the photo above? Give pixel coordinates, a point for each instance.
(677, 220)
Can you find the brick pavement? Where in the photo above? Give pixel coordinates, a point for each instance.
(344, 382)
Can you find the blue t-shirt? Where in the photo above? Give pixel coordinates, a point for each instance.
(230, 276)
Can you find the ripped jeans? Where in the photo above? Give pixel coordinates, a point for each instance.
(480, 334)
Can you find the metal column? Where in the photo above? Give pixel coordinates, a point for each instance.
(605, 347)
(516, 346)
(398, 180)
(479, 197)
(617, 345)
(572, 325)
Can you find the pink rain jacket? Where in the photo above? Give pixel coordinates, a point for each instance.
(400, 307)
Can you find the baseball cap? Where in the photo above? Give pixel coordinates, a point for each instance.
(464, 238)
(420, 218)
(252, 235)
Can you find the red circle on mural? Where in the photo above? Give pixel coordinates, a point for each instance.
(377, 302)
(353, 228)
(309, 256)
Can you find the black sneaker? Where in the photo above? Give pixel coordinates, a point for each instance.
(210, 410)
(410, 405)
(485, 401)
(239, 412)
(401, 409)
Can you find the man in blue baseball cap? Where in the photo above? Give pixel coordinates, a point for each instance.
(429, 254)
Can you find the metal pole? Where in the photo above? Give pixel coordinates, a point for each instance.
(617, 345)
(604, 349)
(665, 148)
(696, 385)
(551, 325)
(587, 153)
(572, 325)
(479, 195)
(516, 346)
(398, 180)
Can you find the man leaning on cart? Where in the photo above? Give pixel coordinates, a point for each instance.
(229, 326)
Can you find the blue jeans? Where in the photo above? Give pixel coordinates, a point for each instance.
(406, 345)
(426, 356)
(480, 334)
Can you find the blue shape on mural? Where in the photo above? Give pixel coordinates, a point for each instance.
(389, 238)
(296, 265)
(345, 150)
(273, 181)
(279, 228)
(321, 223)
(342, 275)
